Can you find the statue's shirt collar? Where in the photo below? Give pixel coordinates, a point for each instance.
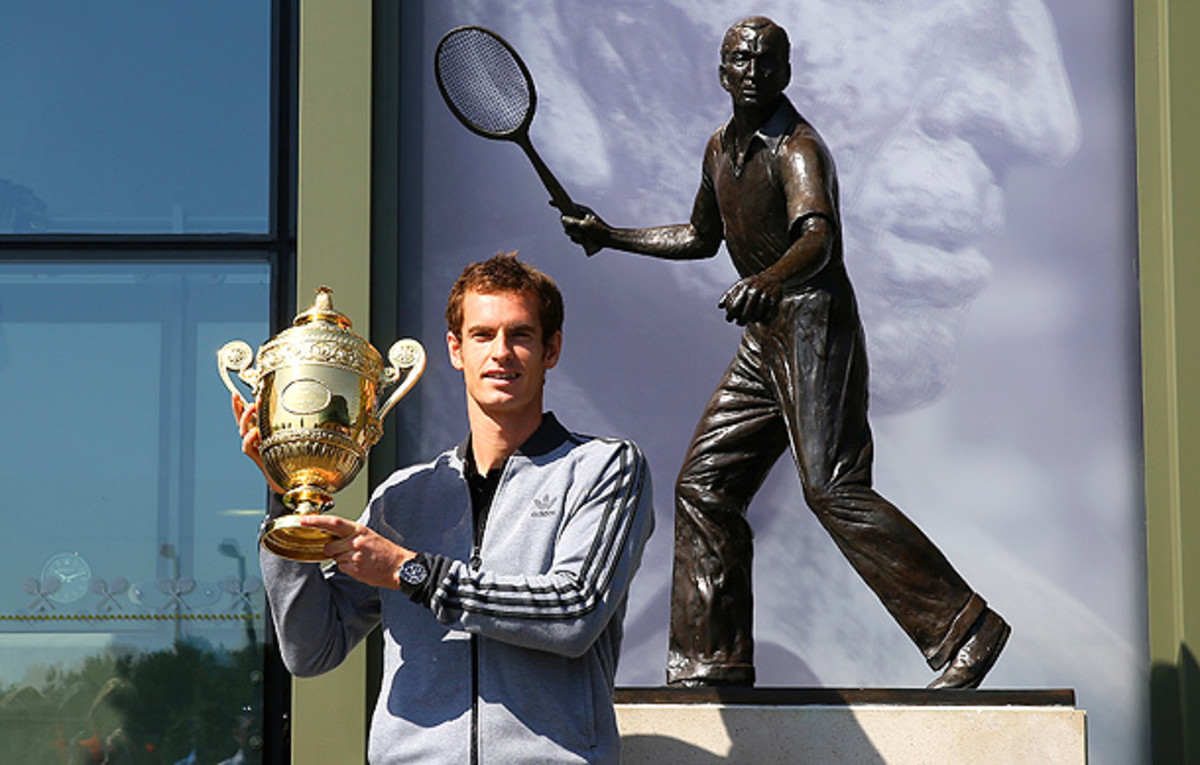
(771, 133)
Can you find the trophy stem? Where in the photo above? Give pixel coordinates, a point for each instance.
(307, 500)
(287, 538)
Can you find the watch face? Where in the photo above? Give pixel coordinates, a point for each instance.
(73, 577)
(413, 572)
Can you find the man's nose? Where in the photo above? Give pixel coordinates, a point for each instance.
(1017, 107)
(501, 346)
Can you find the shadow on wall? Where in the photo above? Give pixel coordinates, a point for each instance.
(1175, 721)
(732, 740)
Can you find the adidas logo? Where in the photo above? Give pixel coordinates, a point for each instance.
(545, 507)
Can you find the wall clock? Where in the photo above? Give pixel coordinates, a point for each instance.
(73, 575)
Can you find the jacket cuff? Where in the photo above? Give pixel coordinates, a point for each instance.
(438, 566)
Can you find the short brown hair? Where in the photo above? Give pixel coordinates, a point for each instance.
(505, 273)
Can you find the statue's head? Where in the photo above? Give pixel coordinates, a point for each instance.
(755, 66)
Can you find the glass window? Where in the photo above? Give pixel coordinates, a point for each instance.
(135, 116)
(131, 608)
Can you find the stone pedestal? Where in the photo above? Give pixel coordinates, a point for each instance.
(761, 726)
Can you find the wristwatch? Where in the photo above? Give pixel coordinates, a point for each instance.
(412, 574)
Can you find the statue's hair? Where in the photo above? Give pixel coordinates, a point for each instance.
(505, 273)
(757, 23)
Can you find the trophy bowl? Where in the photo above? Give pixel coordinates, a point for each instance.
(317, 385)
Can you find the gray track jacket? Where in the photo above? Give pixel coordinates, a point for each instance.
(511, 661)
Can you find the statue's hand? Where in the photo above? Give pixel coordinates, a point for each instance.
(755, 298)
(586, 228)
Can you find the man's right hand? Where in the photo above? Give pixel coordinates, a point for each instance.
(246, 416)
(587, 229)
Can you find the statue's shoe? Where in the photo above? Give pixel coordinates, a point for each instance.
(977, 655)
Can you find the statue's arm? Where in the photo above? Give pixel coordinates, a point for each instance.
(811, 245)
(809, 186)
(756, 298)
(697, 239)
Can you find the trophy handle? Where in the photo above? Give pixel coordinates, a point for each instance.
(407, 356)
(238, 356)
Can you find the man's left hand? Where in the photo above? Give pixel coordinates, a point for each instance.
(755, 298)
(360, 552)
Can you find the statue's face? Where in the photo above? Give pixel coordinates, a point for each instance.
(754, 66)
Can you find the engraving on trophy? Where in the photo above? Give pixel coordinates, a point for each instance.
(317, 385)
(307, 396)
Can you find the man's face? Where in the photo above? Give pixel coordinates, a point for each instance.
(754, 67)
(924, 138)
(926, 105)
(501, 352)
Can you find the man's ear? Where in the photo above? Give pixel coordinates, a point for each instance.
(724, 77)
(553, 349)
(454, 346)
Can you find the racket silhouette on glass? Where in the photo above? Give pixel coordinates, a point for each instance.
(489, 88)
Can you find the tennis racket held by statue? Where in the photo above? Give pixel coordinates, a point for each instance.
(490, 90)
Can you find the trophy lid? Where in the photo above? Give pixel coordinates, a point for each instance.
(322, 336)
(322, 310)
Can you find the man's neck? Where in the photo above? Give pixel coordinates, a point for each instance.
(495, 437)
(748, 119)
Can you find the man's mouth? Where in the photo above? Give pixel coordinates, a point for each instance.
(504, 376)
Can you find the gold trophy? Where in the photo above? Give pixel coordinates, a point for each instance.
(317, 386)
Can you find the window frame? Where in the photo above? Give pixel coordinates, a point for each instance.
(277, 248)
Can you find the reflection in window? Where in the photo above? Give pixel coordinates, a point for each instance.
(131, 608)
(135, 117)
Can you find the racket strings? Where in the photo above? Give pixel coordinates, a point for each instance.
(483, 81)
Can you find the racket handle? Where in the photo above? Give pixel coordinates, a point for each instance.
(559, 197)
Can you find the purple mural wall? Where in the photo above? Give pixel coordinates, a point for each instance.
(986, 158)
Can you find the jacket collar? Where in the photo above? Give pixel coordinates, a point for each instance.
(548, 437)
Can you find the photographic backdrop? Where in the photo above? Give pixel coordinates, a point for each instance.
(986, 160)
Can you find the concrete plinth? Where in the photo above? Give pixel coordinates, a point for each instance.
(761, 726)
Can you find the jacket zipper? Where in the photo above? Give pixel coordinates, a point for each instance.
(474, 701)
(475, 563)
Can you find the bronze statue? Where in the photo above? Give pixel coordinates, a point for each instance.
(798, 381)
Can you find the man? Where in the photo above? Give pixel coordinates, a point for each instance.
(798, 380)
(499, 571)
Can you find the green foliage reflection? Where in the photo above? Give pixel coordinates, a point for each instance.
(189, 703)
